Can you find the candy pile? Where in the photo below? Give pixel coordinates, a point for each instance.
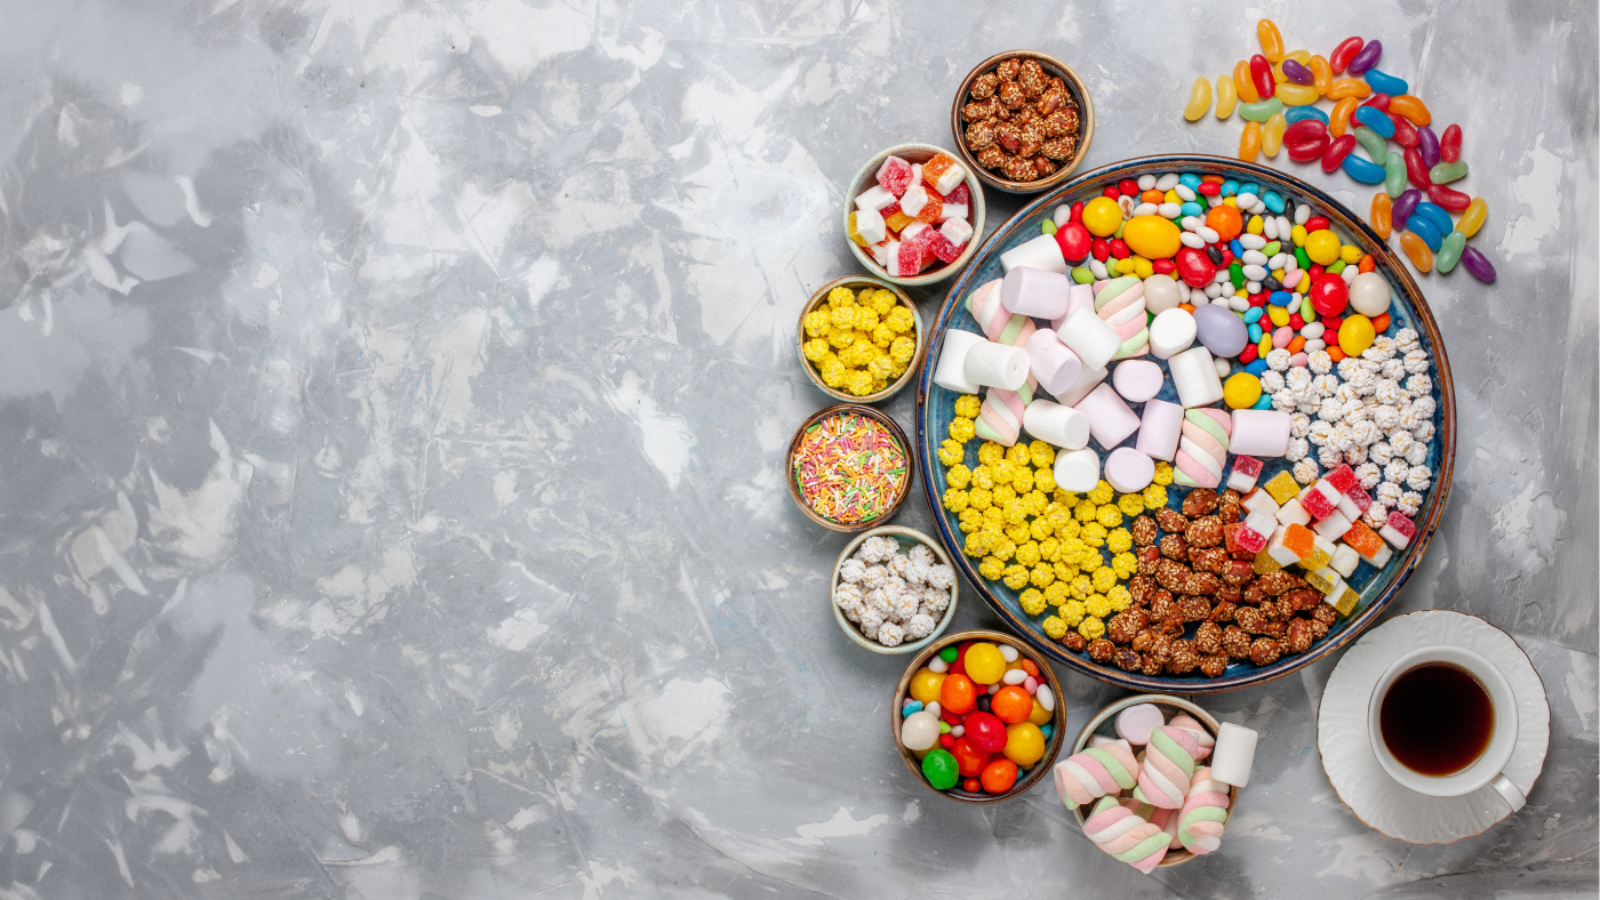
(1246, 260)
(978, 716)
(860, 343)
(850, 468)
(1022, 124)
(1143, 806)
(1280, 92)
(893, 596)
(895, 219)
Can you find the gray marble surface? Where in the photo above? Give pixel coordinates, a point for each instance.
(393, 397)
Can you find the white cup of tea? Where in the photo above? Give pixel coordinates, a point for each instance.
(1443, 722)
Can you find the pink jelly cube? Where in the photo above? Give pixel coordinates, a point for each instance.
(1316, 503)
(958, 231)
(1398, 530)
(1343, 479)
(894, 175)
(1246, 469)
(961, 196)
(1255, 532)
(943, 250)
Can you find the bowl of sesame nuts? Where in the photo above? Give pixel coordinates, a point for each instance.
(1022, 121)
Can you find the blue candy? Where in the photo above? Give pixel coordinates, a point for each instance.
(1364, 170)
(1302, 113)
(1047, 729)
(1265, 401)
(1422, 228)
(1256, 368)
(1254, 330)
(1377, 120)
(1189, 180)
(1251, 188)
(1273, 201)
(1191, 208)
(1280, 298)
(1386, 84)
(1236, 247)
(1436, 215)
(1230, 187)
(912, 706)
(1251, 315)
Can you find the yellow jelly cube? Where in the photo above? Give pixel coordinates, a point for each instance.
(850, 228)
(1323, 579)
(1283, 487)
(1321, 554)
(898, 222)
(1264, 563)
(1344, 599)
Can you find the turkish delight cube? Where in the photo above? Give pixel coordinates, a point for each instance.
(1259, 500)
(874, 198)
(1283, 487)
(1333, 527)
(894, 175)
(1343, 479)
(1345, 560)
(1398, 530)
(1292, 513)
(1246, 469)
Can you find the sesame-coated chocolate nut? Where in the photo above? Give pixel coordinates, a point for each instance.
(1125, 659)
(1208, 638)
(1200, 502)
(1101, 650)
(1255, 592)
(1172, 575)
(1214, 666)
(992, 158)
(1251, 620)
(984, 85)
(1124, 625)
(1062, 124)
(1009, 69)
(1050, 101)
(1183, 660)
(1205, 531)
(1028, 151)
(1265, 651)
(1201, 583)
(1059, 149)
(1151, 666)
(1224, 611)
(1208, 559)
(1171, 521)
(1149, 559)
(1139, 588)
(1173, 546)
(1011, 96)
(1074, 641)
(979, 110)
(1144, 531)
(1325, 613)
(1162, 605)
(1299, 636)
(1319, 630)
(1194, 608)
(980, 136)
(1237, 572)
(1019, 169)
(1280, 582)
(1235, 642)
(1032, 78)
(1009, 137)
(1303, 599)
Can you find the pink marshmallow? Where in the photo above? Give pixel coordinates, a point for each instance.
(1034, 292)
(1110, 419)
(1259, 432)
(1160, 429)
(1054, 364)
(1138, 380)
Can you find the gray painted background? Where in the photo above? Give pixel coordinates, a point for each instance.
(392, 400)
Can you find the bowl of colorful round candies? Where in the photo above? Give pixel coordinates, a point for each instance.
(977, 717)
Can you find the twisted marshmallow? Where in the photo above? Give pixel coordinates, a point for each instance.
(1202, 447)
(1096, 772)
(1120, 303)
(1168, 766)
(1204, 814)
(1117, 830)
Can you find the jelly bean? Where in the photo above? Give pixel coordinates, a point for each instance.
(1473, 219)
(1435, 215)
(1416, 171)
(999, 776)
(1478, 265)
(940, 768)
(1373, 143)
(1343, 52)
(1321, 74)
(1377, 120)
(1450, 144)
(1189, 180)
(1227, 96)
(1273, 199)
(1244, 82)
(1250, 141)
(1363, 61)
(1377, 101)
(1298, 114)
(1394, 168)
(1282, 336)
(1446, 172)
(1417, 249)
(1278, 316)
(1453, 200)
(1422, 228)
(1349, 89)
(1262, 111)
(1298, 73)
(1338, 150)
(1428, 146)
(1381, 223)
(1261, 76)
(1385, 83)
(1297, 94)
(1315, 223)
(1362, 170)
(1272, 138)
(1450, 252)
(1199, 100)
(1404, 205)
(1271, 40)
(1410, 108)
(1405, 133)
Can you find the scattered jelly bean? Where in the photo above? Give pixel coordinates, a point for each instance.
(1299, 114)
(1450, 144)
(1394, 168)
(1364, 60)
(1453, 200)
(1349, 89)
(1377, 101)
(1381, 208)
(1297, 73)
(1297, 94)
(1227, 96)
(1435, 215)
(1446, 172)
(1272, 140)
(1422, 228)
(1417, 170)
(1385, 83)
(1261, 76)
(1244, 82)
(1404, 205)
(1373, 143)
(1450, 252)
(1262, 111)
(1418, 251)
(1321, 74)
(1271, 40)
(1363, 170)
(1478, 264)
(1337, 152)
(1343, 52)
(1428, 146)
(1473, 219)
(1339, 118)
(1199, 100)
(1250, 141)
(1411, 108)
(1405, 133)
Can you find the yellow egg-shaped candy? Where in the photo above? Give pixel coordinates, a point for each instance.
(1039, 715)
(984, 663)
(1322, 246)
(1024, 744)
(1152, 237)
(1356, 335)
(925, 685)
(1241, 391)
(1102, 216)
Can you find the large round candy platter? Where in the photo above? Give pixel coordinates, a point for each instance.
(1372, 586)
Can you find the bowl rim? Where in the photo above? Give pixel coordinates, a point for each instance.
(1080, 92)
(1174, 857)
(1058, 716)
(894, 429)
(975, 216)
(906, 377)
(849, 627)
(1446, 429)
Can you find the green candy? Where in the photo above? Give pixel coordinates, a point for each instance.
(1394, 173)
(1337, 267)
(949, 654)
(1111, 268)
(1272, 249)
(1301, 258)
(939, 767)
(1236, 275)
(1373, 143)
(1049, 226)
(1450, 250)
(1307, 311)
(1260, 112)
(1446, 172)
(1081, 275)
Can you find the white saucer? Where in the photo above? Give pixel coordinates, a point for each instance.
(1347, 757)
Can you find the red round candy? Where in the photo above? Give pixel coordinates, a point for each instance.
(971, 785)
(1077, 213)
(999, 776)
(1129, 187)
(1296, 322)
(1074, 240)
(1164, 266)
(1333, 324)
(947, 741)
(1315, 271)
(949, 718)
(1248, 355)
(1195, 267)
(970, 760)
(1119, 248)
(1316, 223)
(1258, 299)
(986, 731)
(1101, 249)
(1209, 188)
(1112, 192)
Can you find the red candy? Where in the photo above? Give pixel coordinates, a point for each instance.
(1333, 324)
(1401, 523)
(1296, 322)
(1195, 267)
(1453, 200)
(1128, 187)
(894, 175)
(1101, 249)
(1077, 213)
(971, 785)
(969, 759)
(1209, 188)
(1119, 248)
(1164, 266)
(1306, 140)
(1248, 355)
(1074, 240)
(1316, 223)
(1112, 192)
(1337, 151)
(947, 741)
(986, 731)
(1376, 101)
(962, 195)
(1261, 74)
(1343, 479)
(1405, 133)
(1329, 295)
(943, 250)
(1343, 53)
(1317, 504)
(1450, 144)
(1417, 170)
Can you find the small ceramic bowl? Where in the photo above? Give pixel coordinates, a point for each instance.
(1075, 87)
(894, 430)
(1103, 723)
(856, 283)
(907, 538)
(1058, 717)
(867, 177)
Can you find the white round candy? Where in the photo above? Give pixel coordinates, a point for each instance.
(1369, 294)
(1046, 698)
(1008, 652)
(920, 730)
(1161, 293)
(1014, 676)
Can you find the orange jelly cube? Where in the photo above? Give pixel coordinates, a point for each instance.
(930, 211)
(1299, 539)
(1363, 540)
(933, 168)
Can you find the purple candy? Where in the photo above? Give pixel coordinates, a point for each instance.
(1297, 73)
(1366, 59)
(1429, 148)
(1220, 330)
(1404, 206)
(1478, 265)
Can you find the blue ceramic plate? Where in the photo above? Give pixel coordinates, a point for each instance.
(936, 407)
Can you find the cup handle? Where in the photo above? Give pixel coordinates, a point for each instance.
(1508, 792)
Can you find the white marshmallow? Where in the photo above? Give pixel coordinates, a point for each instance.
(1128, 470)
(1079, 296)
(1171, 333)
(1053, 423)
(1160, 429)
(1053, 363)
(1090, 337)
(997, 365)
(1234, 754)
(1077, 470)
(1088, 379)
(1138, 380)
(1110, 419)
(1194, 373)
(951, 372)
(1259, 433)
(1040, 253)
(1033, 292)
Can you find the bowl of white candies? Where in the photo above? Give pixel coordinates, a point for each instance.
(894, 590)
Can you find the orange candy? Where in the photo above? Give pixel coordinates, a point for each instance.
(1225, 221)
(1340, 117)
(1334, 353)
(1299, 539)
(1296, 344)
(1250, 141)
(1412, 108)
(1417, 249)
(930, 211)
(1363, 540)
(999, 776)
(969, 759)
(1153, 196)
(1380, 324)
(1381, 218)
(957, 695)
(933, 168)
(1367, 262)
(1245, 84)
(1028, 666)
(1345, 88)
(1011, 704)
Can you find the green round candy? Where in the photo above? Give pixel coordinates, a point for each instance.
(1049, 226)
(949, 654)
(1082, 275)
(939, 767)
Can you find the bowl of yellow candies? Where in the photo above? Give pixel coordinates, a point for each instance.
(860, 339)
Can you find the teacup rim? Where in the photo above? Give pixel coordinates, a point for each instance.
(1507, 722)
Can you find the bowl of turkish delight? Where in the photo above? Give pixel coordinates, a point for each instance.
(914, 214)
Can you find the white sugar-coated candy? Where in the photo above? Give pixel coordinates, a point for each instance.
(958, 731)
(1171, 333)
(1079, 296)
(919, 731)
(1063, 215)
(874, 198)
(1194, 373)
(1090, 337)
(1369, 294)
(1035, 292)
(951, 372)
(1259, 433)
(914, 199)
(1053, 363)
(938, 665)
(1234, 754)
(1167, 182)
(1137, 380)
(1136, 723)
(1110, 419)
(1147, 181)
(1333, 527)
(1040, 253)
(933, 709)
(1161, 293)
(997, 365)
(1252, 241)
(1014, 676)
(957, 231)
(870, 225)
(1053, 423)
(1087, 381)
(1223, 367)
(1008, 653)
(1160, 429)
(1129, 471)
(1077, 470)
(1046, 698)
